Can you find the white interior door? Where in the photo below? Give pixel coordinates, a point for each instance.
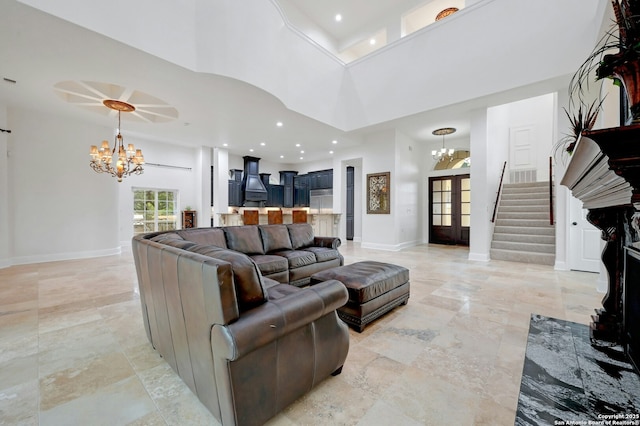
(585, 242)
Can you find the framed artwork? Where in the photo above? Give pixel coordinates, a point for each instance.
(378, 193)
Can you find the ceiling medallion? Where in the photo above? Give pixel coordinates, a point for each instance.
(446, 12)
(443, 153)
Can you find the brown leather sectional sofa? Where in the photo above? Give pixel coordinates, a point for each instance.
(247, 345)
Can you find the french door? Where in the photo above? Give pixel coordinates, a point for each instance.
(449, 209)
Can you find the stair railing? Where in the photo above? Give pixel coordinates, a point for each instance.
(495, 206)
(550, 191)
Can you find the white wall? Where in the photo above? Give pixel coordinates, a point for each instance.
(175, 177)
(378, 230)
(407, 202)
(59, 207)
(249, 41)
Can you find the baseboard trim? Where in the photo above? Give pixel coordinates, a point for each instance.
(389, 247)
(479, 257)
(25, 260)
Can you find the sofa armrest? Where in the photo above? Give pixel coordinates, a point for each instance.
(329, 242)
(276, 318)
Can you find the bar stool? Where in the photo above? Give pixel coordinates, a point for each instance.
(250, 217)
(274, 217)
(299, 216)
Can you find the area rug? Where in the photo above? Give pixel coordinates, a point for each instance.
(568, 381)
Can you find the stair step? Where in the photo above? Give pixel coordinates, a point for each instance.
(526, 185)
(525, 238)
(540, 196)
(534, 223)
(523, 202)
(524, 247)
(524, 257)
(523, 215)
(549, 230)
(525, 209)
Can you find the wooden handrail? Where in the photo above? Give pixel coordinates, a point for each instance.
(550, 191)
(495, 206)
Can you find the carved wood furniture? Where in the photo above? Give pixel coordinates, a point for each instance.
(189, 219)
(604, 173)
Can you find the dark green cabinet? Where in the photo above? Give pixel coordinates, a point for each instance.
(235, 188)
(321, 179)
(301, 191)
(286, 180)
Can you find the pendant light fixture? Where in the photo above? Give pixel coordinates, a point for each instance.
(128, 161)
(443, 153)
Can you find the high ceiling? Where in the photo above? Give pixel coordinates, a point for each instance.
(40, 53)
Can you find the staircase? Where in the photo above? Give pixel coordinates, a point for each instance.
(522, 232)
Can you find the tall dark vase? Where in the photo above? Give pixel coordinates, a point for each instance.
(628, 73)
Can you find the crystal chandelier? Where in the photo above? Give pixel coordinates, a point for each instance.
(128, 161)
(443, 153)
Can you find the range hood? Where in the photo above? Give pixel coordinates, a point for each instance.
(254, 191)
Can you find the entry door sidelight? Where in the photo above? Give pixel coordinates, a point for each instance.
(449, 209)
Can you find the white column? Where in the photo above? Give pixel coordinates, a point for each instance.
(220, 184)
(5, 242)
(481, 190)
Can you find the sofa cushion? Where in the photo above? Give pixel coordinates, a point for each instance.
(245, 239)
(166, 236)
(269, 264)
(323, 254)
(301, 235)
(297, 258)
(250, 290)
(275, 237)
(174, 242)
(205, 236)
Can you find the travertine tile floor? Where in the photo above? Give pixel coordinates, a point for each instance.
(73, 350)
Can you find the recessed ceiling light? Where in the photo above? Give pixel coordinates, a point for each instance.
(279, 124)
(262, 144)
(297, 145)
(334, 142)
(225, 144)
(302, 158)
(330, 152)
(251, 150)
(302, 152)
(282, 156)
(372, 41)
(338, 17)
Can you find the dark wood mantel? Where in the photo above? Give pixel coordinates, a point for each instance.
(604, 173)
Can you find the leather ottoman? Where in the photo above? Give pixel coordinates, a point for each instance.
(374, 289)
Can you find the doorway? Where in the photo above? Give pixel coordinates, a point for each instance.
(584, 240)
(350, 202)
(449, 209)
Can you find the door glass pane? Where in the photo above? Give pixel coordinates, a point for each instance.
(465, 220)
(465, 196)
(446, 185)
(437, 220)
(437, 185)
(465, 208)
(437, 197)
(465, 184)
(446, 220)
